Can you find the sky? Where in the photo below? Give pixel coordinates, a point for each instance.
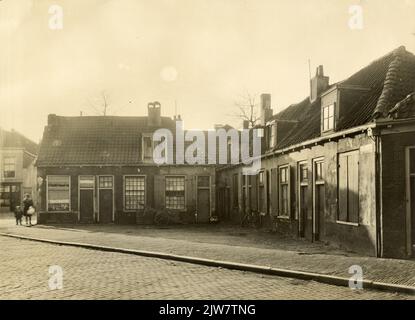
(194, 56)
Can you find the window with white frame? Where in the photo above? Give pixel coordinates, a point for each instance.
(175, 192)
(134, 192)
(328, 117)
(9, 167)
(284, 194)
(58, 193)
(272, 133)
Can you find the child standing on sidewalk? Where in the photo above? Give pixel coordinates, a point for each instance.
(18, 214)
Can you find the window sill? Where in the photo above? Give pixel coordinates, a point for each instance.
(59, 211)
(283, 217)
(347, 223)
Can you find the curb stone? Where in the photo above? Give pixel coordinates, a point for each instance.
(302, 275)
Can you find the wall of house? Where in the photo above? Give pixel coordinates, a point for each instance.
(17, 154)
(359, 237)
(154, 189)
(394, 221)
(25, 173)
(29, 183)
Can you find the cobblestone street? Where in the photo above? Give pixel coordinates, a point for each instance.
(227, 243)
(90, 274)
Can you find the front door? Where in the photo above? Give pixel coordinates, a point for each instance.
(302, 219)
(86, 198)
(105, 198)
(410, 204)
(302, 198)
(319, 198)
(203, 198)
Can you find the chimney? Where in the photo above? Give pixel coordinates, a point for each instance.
(266, 111)
(52, 120)
(245, 124)
(154, 114)
(318, 84)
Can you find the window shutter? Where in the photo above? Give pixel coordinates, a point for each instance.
(159, 192)
(274, 194)
(254, 190)
(343, 188)
(266, 191)
(353, 173)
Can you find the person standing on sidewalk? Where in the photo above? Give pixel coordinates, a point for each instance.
(27, 203)
(18, 214)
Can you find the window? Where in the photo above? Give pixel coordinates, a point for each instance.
(261, 178)
(58, 193)
(147, 147)
(348, 189)
(9, 167)
(5, 195)
(175, 193)
(203, 182)
(284, 194)
(304, 173)
(319, 172)
(105, 182)
(235, 190)
(134, 194)
(328, 117)
(272, 135)
(301, 213)
(86, 182)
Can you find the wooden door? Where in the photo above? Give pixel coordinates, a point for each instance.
(86, 198)
(106, 199)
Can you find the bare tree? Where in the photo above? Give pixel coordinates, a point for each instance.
(247, 108)
(100, 105)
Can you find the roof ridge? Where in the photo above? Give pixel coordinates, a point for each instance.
(390, 82)
(21, 135)
(397, 52)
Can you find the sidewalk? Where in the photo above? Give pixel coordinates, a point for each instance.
(228, 243)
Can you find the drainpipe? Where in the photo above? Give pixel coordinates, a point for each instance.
(378, 175)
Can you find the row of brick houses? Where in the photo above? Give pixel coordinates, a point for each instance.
(101, 169)
(338, 166)
(17, 170)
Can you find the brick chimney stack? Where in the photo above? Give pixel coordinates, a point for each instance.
(266, 111)
(154, 114)
(245, 124)
(318, 84)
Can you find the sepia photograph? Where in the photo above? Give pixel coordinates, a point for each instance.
(207, 155)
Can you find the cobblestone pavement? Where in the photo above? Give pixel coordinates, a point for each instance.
(90, 274)
(228, 244)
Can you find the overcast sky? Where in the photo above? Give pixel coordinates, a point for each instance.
(201, 53)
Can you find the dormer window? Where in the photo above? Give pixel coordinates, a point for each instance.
(272, 135)
(147, 147)
(328, 117)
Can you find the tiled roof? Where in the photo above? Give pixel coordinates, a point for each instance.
(14, 139)
(387, 81)
(117, 140)
(99, 140)
(405, 108)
